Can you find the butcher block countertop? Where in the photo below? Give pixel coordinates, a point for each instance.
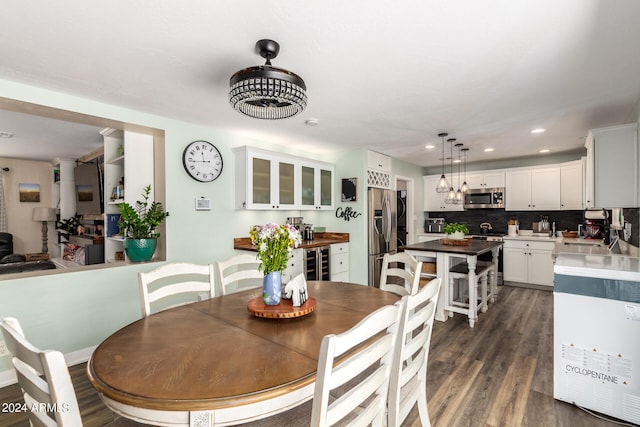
(319, 239)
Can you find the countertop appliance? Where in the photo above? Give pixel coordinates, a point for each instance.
(485, 198)
(434, 225)
(382, 229)
(596, 335)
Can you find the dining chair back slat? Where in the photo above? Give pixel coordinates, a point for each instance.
(360, 358)
(238, 273)
(44, 379)
(402, 280)
(189, 281)
(407, 386)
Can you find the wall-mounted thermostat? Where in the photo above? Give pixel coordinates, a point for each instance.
(203, 204)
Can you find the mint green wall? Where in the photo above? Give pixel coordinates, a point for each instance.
(74, 311)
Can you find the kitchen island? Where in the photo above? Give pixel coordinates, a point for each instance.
(446, 256)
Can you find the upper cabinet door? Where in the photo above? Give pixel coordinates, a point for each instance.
(533, 189)
(317, 182)
(612, 165)
(485, 179)
(265, 180)
(571, 187)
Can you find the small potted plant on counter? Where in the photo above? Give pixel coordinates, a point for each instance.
(138, 226)
(455, 230)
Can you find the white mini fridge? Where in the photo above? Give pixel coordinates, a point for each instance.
(597, 344)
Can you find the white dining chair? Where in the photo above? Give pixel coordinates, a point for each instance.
(361, 357)
(174, 284)
(44, 379)
(400, 274)
(238, 272)
(407, 386)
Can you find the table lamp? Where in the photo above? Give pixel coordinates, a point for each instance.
(44, 215)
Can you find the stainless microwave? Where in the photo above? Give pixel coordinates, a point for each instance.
(484, 198)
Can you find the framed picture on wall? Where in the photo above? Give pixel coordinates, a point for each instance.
(29, 192)
(349, 189)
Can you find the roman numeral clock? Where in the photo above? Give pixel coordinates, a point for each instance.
(202, 161)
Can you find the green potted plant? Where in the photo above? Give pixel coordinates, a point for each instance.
(138, 227)
(455, 230)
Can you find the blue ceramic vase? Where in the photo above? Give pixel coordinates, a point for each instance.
(272, 288)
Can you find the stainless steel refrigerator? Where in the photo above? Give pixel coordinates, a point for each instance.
(382, 230)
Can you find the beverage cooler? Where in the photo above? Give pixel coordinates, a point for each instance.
(317, 263)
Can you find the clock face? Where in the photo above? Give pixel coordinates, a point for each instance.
(202, 161)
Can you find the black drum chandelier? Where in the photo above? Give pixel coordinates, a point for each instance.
(267, 92)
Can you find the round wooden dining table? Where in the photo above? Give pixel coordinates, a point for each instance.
(214, 363)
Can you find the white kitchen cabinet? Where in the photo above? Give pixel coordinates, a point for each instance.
(533, 189)
(378, 161)
(433, 201)
(571, 186)
(612, 167)
(267, 180)
(317, 181)
(489, 179)
(126, 154)
(527, 261)
(339, 262)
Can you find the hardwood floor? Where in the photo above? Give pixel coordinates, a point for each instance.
(500, 373)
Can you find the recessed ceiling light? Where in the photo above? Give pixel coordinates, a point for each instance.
(544, 150)
(430, 146)
(537, 130)
(312, 122)
(488, 150)
(6, 134)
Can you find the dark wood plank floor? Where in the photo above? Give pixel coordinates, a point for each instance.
(500, 373)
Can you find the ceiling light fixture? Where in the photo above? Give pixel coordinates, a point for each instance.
(429, 146)
(465, 187)
(488, 150)
(443, 185)
(544, 150)
(312, 122)
(266, 92)
(537, 130)
(459, 193)
(451, 197)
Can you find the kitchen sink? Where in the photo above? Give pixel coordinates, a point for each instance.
(583, 243)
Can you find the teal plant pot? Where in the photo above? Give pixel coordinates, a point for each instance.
(272, 288)
(140, 250)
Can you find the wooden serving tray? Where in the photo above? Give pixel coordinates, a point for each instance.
(456, 242)
(284, 310)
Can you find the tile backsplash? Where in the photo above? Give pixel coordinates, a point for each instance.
(498, 219)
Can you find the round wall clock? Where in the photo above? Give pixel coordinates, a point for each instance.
(202, 161)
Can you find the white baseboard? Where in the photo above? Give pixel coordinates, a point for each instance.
(8, 377)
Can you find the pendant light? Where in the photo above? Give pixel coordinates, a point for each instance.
(265, 91)
(465, 187)
(443, 185)
(459, 193)
(451, 197)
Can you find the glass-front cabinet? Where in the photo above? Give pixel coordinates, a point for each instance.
(268, 180)
(271, 182)
(317, 185)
